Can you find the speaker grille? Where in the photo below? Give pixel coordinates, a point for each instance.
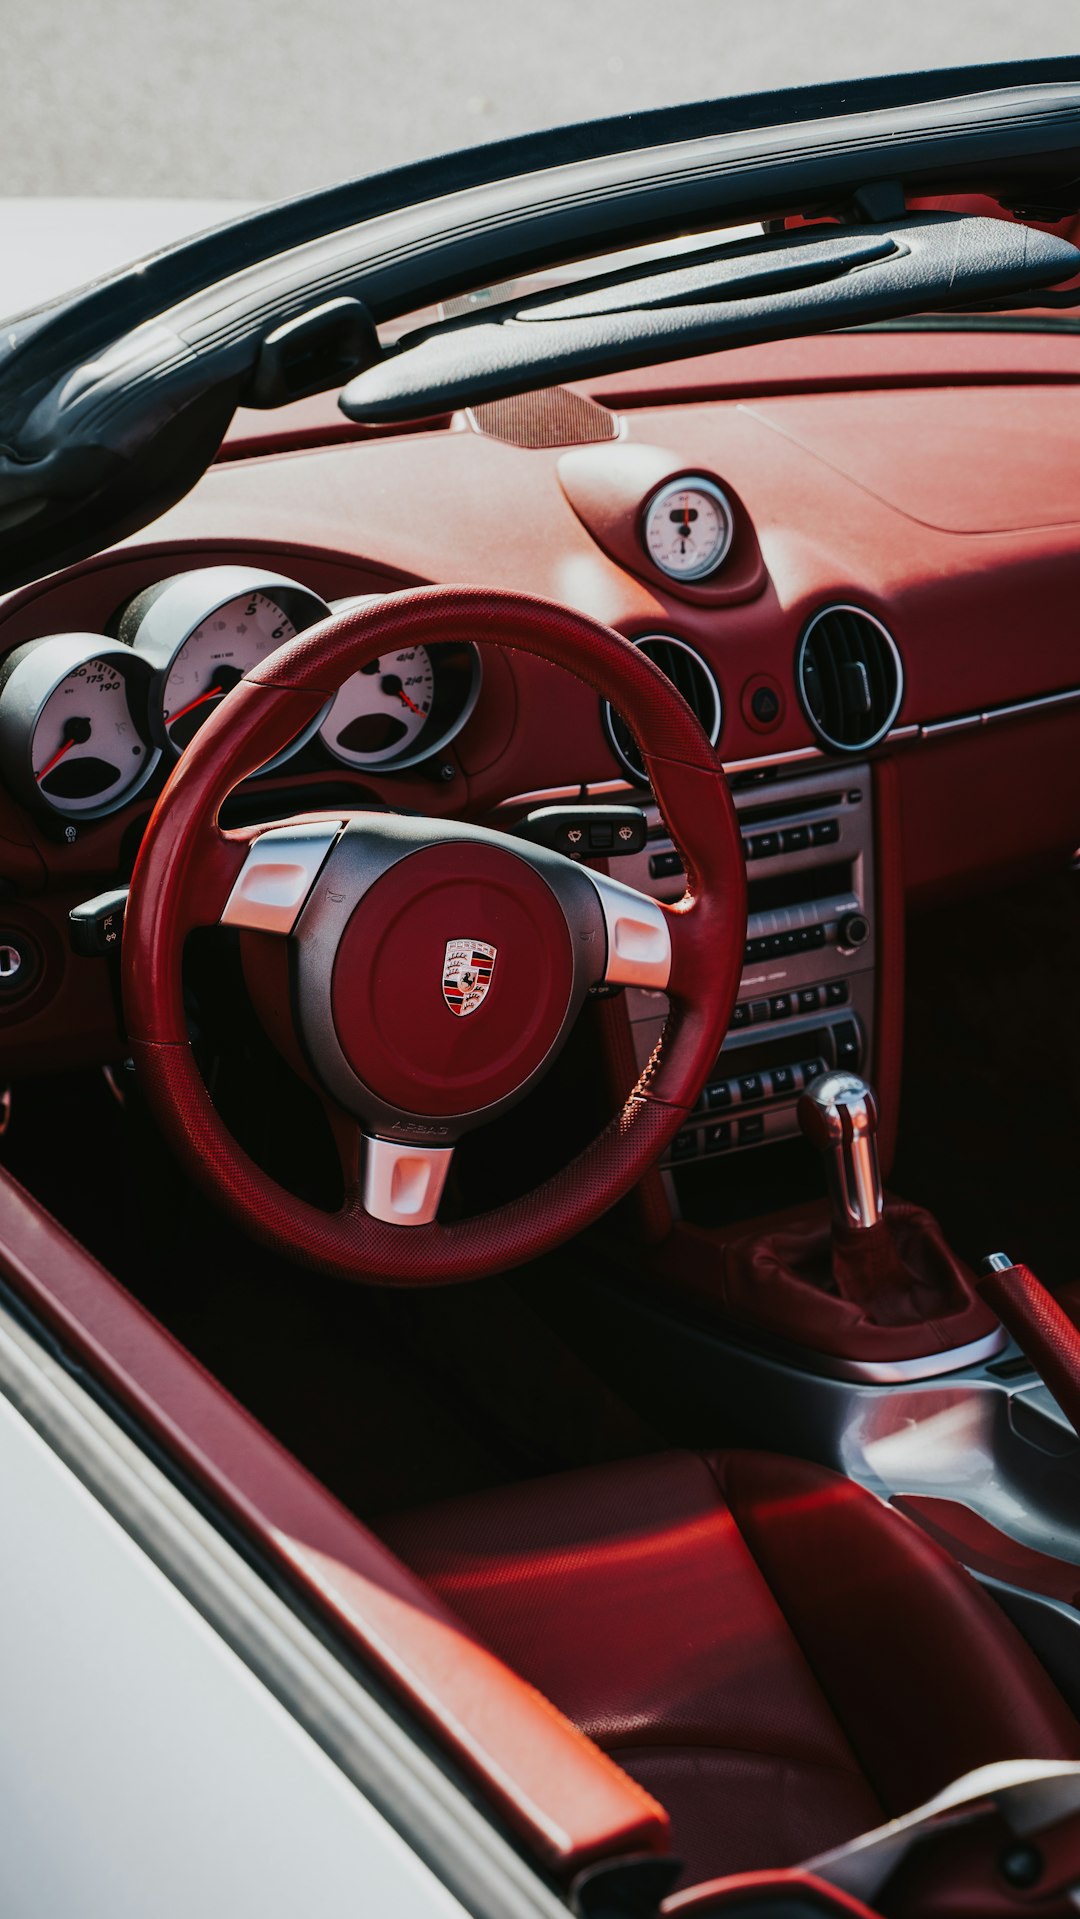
(554, 416)
(850, 678)
(687, 672)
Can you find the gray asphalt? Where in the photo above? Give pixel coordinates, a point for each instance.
(257, 99)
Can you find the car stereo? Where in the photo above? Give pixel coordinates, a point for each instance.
(806, 999)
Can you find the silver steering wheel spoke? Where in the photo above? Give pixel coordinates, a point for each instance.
(275, 881)
(638, 934)
(401, 1183)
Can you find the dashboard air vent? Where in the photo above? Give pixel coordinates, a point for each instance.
(689, 673)
(850, 678)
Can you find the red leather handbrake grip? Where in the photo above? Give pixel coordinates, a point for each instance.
(1041, 1329)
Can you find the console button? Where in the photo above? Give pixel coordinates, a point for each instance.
(846, 1039)
(809, 999)
(684, 1145)
(837, 993)
(817, 935)
(741, 1015)
(759, 1011)
(853, 930)
(752, 1129)
(765, 705)
(783, 1081)
(795, 839)
(717, 1137)
(720, 1095)
(780, 1006)
(751, 1086)
(825, 832)
(765, 846)
(663, 866)
(811, 1069)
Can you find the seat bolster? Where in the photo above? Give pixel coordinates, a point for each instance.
(923, 1671)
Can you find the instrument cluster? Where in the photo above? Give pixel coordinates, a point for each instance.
(85, 719)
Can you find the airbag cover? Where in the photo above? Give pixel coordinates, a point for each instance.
(393, 992)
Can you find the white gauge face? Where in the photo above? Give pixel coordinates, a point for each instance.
(86, 749)
(688, 529)
(215, 655)
(379, 711)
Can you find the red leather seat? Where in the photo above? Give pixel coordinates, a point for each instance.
(776, 1655)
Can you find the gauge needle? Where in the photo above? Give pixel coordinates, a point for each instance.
(212, 693)
(57, 756)
(409, 704)
(76, 733)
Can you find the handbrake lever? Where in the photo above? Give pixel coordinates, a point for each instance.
(1041, 1328)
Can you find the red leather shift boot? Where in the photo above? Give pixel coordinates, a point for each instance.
(895, 1291)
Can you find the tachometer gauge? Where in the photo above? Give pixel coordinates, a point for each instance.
(402, 707)
(73, 732)
(688, 528)
(202, 631)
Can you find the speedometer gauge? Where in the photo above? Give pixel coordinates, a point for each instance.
(688, 527)
(202, 631)
(73, 735)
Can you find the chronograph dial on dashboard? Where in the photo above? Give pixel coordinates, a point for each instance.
(688, 527)
(202, 631)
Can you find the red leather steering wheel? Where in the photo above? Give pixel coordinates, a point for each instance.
(436, 967)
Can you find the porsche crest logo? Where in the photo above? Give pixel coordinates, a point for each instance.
(467, 969)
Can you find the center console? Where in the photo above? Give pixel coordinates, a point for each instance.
(806, 1001)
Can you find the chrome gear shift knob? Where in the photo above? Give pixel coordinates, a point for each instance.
(838, 1115)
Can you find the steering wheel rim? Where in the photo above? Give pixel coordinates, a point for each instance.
(188, 866)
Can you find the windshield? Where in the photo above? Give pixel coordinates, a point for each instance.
(131, 123)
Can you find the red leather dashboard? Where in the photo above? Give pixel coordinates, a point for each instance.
(927, 477)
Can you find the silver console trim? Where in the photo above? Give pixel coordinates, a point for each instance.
(896, 736)
(902, 1372)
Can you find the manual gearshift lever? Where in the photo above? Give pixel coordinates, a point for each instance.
(838, 1115)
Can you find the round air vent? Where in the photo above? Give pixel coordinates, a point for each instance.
(850, 678)
(688, 672)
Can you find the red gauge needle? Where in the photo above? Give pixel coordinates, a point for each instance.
(214, 693)
(409, 704)
(57, 756)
